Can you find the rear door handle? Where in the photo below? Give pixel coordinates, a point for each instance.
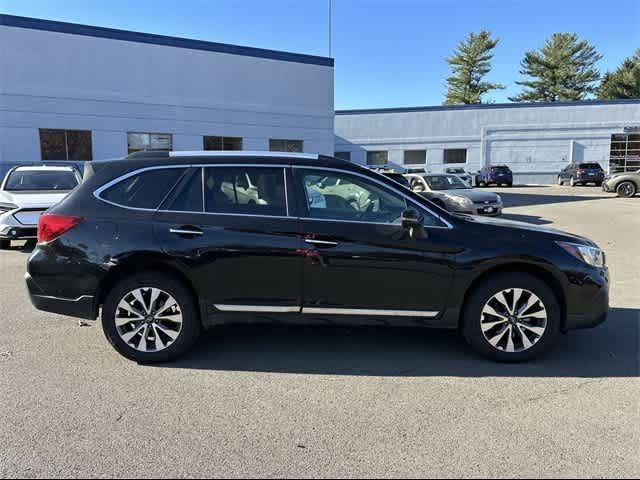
(186, 231)
(321, 243)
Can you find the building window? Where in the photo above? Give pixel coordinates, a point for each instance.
(624, 155)
(277, 145)
(343, 156)
(137, 141)
(377, 158)
(415, 157)
(456, 155)
(65, 144)
(222, 143)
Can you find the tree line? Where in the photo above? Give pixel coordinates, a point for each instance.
(563, 69)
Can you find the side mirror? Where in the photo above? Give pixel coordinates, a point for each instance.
(413, 221)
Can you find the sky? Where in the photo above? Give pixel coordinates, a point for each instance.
(388, 53)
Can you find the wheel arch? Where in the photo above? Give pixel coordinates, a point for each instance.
(532, 269)
(144, 263)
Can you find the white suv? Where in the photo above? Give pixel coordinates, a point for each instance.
(26, 192)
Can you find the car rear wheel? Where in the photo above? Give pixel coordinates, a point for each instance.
(511, 317)
(626, 189)
(572, 182)
(150, 318)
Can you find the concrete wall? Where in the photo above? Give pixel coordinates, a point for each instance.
(536, 141)
(109, 86)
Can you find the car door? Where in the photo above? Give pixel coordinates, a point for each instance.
(359, 259)
(243, 253)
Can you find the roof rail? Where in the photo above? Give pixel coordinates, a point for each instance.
(242, 153)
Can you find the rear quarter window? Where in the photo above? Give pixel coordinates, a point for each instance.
(145, 189)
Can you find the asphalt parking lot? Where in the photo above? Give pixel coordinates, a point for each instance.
(311, 402)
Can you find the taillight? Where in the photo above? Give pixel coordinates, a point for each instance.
(51, 226)
(579, 170)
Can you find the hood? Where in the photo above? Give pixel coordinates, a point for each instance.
(621, 174)
(527, 227)
(32, 199)
(472, 194)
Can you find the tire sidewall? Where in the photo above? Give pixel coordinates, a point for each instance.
(483, 292)
(190, 317)
(622, 194)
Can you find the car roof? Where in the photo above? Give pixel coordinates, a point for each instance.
(227, 157)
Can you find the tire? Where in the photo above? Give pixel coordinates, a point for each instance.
(572, 182)
(626, 189)
(560, 181)
(187, 332)
(474, 319)
(482, 183)
(5, 244)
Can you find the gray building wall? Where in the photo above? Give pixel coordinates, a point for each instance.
(535, 140)
(51, 79)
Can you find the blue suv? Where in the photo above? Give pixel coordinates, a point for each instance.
(498, 175)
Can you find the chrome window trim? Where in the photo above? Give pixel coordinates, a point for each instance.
(97, 193)
(257, 308)
(109, 184)
(367, 177)
(369, 311)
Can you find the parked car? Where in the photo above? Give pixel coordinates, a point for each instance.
(26, 192)
(393, 174)
(496, 174)
(453, 194)
(162, 251)
(460, 173)
(625, 184)
(581, 174)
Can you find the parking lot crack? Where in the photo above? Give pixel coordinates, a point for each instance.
(563, 390)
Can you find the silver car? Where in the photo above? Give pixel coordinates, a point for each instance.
(455, 195)
(26, 192)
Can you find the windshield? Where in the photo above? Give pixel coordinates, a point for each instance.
(455, 170)
(445, 182)
(32, 180)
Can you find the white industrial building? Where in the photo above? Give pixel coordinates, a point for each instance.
(535, 140)
(77, 92)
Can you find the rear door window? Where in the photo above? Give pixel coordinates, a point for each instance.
(245, 191)
(187, 196)
(144, 190)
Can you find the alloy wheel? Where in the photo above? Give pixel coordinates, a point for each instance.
(148, 319)
(626, 189)
(513, 320)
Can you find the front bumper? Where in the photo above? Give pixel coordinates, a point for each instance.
(606, 187)
(23, 232)
(81, 307)
(590, 300)
(489, 210)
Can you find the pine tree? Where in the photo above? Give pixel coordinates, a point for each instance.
(563, 69)
(470, 64)
(624, 82)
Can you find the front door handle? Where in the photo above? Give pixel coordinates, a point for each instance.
(189, 231)
(321, 243)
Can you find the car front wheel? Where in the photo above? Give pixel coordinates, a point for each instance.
(511, 317)
(150, 318)
(560, 181)
(626, 189)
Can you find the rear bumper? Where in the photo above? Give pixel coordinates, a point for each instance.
(81, 307)
(589, 179)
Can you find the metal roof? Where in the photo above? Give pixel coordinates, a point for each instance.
(178, 42)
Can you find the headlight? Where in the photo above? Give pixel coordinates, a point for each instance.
(462, 201)
(498, 198)
(590, 255)
(6, 207)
